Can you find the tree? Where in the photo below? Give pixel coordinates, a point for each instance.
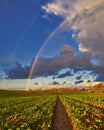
(99, 87)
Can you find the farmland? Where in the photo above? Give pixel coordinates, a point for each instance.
(51, 110)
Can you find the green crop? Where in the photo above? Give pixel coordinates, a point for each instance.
(86, 115)
(86, 111)
(27, 113)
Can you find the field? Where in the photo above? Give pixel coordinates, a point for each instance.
(51, 110)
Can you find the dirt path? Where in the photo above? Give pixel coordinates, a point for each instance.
(61, 120)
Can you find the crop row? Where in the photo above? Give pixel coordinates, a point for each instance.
(27, 113)
(96, 99)
(85, 116)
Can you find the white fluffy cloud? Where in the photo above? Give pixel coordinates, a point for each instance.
(85, 16)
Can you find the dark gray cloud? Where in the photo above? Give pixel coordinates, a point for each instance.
(51, 66)
(36, 83)
(89, 81)
(78, 82)
(68, 73)
(53, 77)
(92, 72)
(79, 77)
(18, 72)
(77, 68)
(64, 82)
(55, 82)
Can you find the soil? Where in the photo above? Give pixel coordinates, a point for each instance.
(61, 119)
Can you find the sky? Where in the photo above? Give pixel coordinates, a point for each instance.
(51, 43)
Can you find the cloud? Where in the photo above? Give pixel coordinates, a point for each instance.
(79, 82)
(89, 84)
(51, 66)
(89, 81)
(53, 77)
(100, 77)
(18, 72)
(67, 50)
(36, 83)
(77, 68)
(79, 77)
(55, 83)
(44, 66)
(86, 19)
(56, 7)
(68, 73)
(79, 16)
(82, 48)
(64, 82)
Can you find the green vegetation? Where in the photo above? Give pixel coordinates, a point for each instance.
(34, 110)
(27, 113)
(87, 114)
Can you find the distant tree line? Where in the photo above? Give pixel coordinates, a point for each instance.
(98, 87)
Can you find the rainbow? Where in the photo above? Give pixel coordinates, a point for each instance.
(39, 52)
(22, 36)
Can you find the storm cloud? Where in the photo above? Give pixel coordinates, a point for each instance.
(18, 72)
(51, 66)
